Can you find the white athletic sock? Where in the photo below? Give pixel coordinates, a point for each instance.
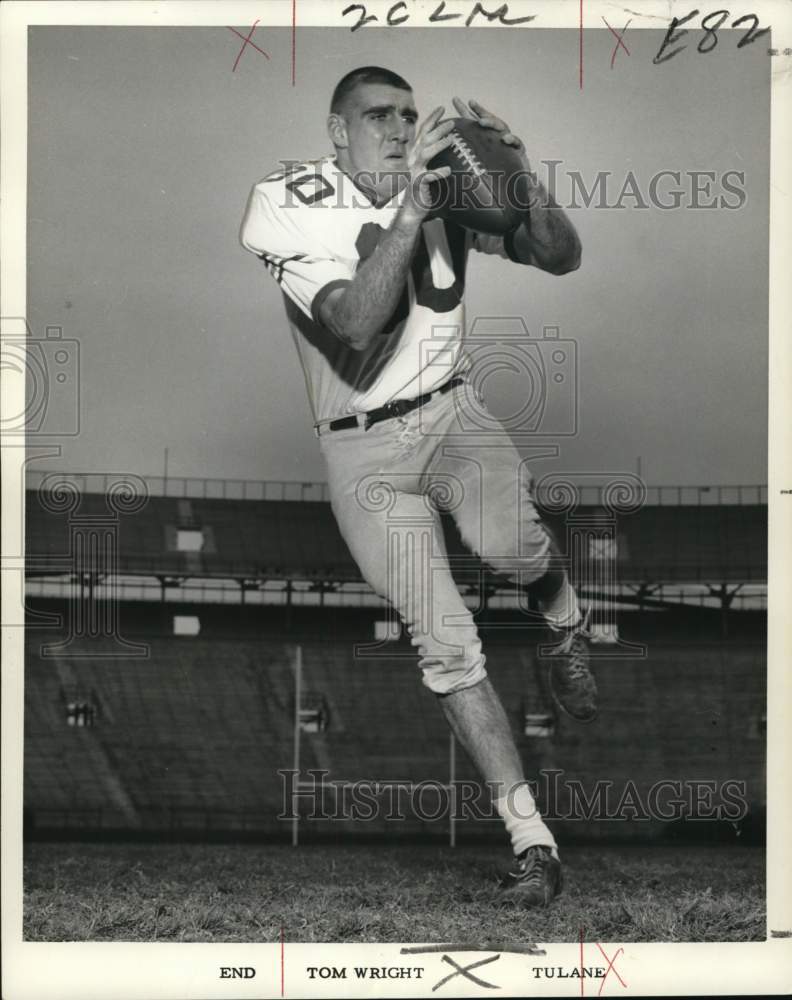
(562, 611)
(525, 826)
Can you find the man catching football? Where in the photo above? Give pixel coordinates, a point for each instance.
(373, 284)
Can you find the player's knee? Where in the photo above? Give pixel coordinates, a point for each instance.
(450, 657)
(531, 559)
(454, 674)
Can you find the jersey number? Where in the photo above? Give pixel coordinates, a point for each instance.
(309, 188)
(439, 300)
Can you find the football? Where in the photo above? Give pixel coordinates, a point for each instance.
(487, 189)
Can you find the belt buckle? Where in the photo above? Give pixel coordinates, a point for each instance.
(398, 407)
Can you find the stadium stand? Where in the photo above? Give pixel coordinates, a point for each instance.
(249, 538)
(193, 736)
(686, 543)
(189, 738)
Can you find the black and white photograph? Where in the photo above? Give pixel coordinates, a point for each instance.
(396, 499)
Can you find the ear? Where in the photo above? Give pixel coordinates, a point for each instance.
(337, 130)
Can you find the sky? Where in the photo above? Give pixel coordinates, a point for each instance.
(144, 144)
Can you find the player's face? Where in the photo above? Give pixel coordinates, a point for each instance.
(380, 131)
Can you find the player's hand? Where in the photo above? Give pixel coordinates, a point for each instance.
(477, 113)
(433, 136)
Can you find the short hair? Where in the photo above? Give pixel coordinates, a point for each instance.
(364, 74)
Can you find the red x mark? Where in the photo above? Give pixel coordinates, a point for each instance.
(610, 968)
(619, 40)
(245, 43)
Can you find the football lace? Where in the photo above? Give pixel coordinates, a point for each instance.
(466, 154)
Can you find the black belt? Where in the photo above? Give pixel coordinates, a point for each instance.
(397, 408)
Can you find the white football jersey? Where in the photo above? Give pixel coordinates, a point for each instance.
(312, 226)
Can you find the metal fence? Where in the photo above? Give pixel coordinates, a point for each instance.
(180, 487)
(691, 591)
(205, 488)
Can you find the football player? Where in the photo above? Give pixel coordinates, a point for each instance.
(373, 283)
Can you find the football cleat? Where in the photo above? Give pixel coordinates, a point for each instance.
(570, 679)
(535, 877)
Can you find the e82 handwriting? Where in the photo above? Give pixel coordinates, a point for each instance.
(710, 24)
(399, 13)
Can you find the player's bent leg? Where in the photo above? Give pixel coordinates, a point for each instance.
(399, 549)
(497, 518)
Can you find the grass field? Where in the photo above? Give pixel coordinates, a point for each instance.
(353, 893)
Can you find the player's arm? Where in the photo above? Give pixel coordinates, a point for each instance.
(357, 313)
(547, 239)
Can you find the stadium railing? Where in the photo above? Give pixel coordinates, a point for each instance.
(208, 488)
